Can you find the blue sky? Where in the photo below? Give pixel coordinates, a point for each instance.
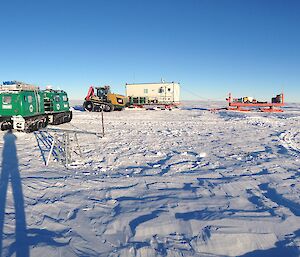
(212, 47)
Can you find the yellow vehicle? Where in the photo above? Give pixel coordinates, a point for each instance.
(104, 100)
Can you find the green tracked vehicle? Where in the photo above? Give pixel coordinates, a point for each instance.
(57, 106)
(21, 107)
(25, 107)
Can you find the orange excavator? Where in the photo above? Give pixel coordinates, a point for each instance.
(104, 100)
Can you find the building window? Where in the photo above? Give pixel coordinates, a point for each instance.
(160, 90)
(169, 89)
(146, 91)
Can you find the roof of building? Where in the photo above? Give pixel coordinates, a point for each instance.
(158, 83)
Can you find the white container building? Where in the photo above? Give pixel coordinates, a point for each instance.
(153, 93)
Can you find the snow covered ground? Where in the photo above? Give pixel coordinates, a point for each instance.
(186, 182)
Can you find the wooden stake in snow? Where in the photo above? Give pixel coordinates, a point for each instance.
(102, 119)
(67, 152)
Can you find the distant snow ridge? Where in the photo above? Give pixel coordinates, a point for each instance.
(291, 140)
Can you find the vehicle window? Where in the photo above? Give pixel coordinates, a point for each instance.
(6, 99)
(25, 99)
(65, 98)
(120, 100)
(29, 99)
(56, 98)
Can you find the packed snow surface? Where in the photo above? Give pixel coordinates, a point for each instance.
(187, 182)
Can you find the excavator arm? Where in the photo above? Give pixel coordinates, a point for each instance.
(90, 93)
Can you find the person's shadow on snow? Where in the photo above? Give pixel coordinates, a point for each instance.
(10, 173)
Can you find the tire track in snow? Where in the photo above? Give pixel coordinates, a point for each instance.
(291, 140)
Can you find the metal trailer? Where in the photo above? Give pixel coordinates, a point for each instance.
(273, 106)
(247, 104)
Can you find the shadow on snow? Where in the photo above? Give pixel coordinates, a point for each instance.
(23, 237)
(10, 172)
